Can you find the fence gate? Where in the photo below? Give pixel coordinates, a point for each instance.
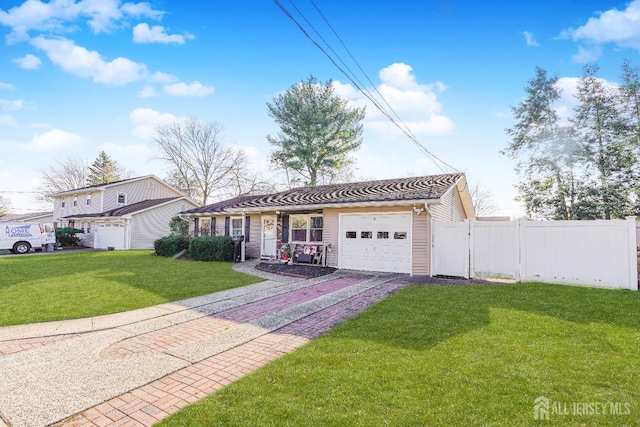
(451, 249)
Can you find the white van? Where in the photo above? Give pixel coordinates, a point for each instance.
(20, 237)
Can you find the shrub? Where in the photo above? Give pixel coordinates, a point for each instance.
(211, 248)
(66, 236)
(170, 245)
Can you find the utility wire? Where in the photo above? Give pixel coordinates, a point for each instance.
(392, 116)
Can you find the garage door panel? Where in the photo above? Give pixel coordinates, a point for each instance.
(110, 235)
(374, 247)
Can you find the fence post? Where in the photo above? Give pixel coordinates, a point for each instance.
(521, 270)
(633, 253)
(472, 264)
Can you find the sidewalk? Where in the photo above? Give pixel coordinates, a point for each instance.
(138, 367)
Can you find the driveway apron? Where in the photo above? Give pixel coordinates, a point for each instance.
(138, 367)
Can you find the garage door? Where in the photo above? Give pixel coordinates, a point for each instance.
(376, 242)
(110, 235)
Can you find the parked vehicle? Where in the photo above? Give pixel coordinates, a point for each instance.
(20, 237)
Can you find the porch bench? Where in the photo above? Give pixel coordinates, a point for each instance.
(309, 254)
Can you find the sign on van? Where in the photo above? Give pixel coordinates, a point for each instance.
(21, 231)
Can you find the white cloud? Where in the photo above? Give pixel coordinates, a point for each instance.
(59, 16)
(530, 39)
(159, 77)
(585, 56)
(6, 86)
(28, 62)
(7, 120)
(192, 89)
(620, 27)
(142, 33)
(14, 105)
(54, 140)
(146, 121)
(415, 103)
(147, 92)
(138, 151)
(86, 63)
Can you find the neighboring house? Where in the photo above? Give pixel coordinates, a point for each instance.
(377, 225)
(34, 217)
(127, 214)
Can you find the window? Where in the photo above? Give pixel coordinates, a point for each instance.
(89, 199)
(75, 201)
(64, 202)
(315, 229)
(383, 234)
(306, 228)
(299, 228)
(236, 227)
(399, 235)
(366, 235)
(122, 198)
(351, 234)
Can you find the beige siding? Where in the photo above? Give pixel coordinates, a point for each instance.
(152, 224)
(252, 247)
(80, 208)
(137, 191)
(421, 244)
(330, 230)
(451, 208)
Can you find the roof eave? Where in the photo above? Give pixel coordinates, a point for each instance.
(373, 204)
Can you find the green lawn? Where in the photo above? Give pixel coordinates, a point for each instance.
(452, 356)
(58, 286)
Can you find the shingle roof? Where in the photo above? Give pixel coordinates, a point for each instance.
(430, 187)
(125, 210)
(88, 187)
(23, 217)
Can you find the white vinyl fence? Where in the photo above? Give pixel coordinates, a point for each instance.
(596, 253)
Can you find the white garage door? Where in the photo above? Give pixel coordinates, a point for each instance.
(110, 235)
(376, 242)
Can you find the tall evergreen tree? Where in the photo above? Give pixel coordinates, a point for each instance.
(606, 155)
(103, 169)
(318, 131)
(546, 151)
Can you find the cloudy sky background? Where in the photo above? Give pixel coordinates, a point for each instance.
(80, 76)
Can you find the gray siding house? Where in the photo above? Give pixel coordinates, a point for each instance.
(126, 214)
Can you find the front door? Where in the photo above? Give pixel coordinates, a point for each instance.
(268, 248)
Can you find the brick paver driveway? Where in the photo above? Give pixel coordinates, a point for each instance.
(141, 371)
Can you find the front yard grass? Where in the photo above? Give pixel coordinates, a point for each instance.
(452, 356)
(73, 285)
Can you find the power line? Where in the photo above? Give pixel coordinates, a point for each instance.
(392, 115)
(21, 192)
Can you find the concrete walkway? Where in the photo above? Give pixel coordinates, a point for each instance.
(135, 368)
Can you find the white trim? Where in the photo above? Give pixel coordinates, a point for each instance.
(289, 209)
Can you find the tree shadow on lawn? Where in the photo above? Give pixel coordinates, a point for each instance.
(420, 317)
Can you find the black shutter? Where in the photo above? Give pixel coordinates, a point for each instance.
(213, 226)
(196, 227)
(285, 228)
(227, 224)
(246, 228)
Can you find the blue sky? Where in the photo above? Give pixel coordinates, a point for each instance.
(80, 76)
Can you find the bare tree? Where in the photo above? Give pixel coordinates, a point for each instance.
(483, 200)
(197, 155)
(64, 175)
